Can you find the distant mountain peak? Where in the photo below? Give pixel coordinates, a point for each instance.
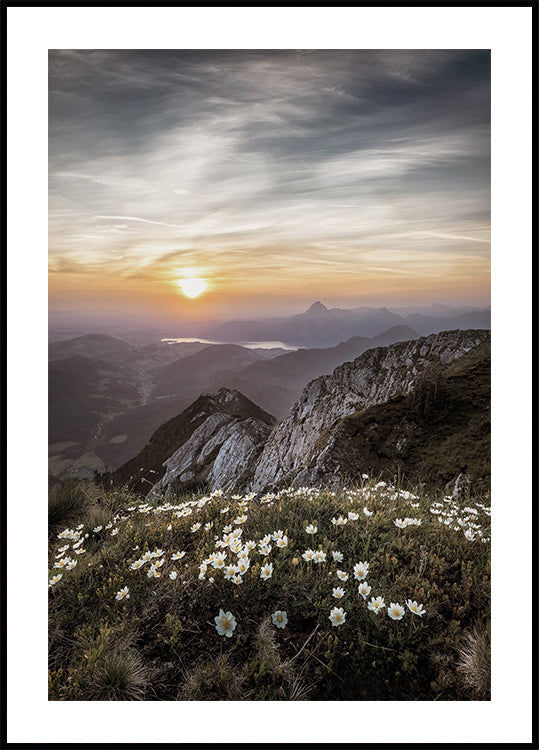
(316, 308)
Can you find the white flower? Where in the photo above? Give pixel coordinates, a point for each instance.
(469, 535)
(368, 512)
(265, 549)
(308, 555)
(195, 527)
(416, 608)
(338, 592)
(360, 570)
(337, 616)
(395, 611)
(342, 575)
(337, 557)
(412, 521)
(55, 579)
(230, 571)
(123, 593)
(364, 476)
(225, 623)
(173, 575)
(243, 565)
(153, 573)
(237, 579)
(319, 556)
(375, 605)
(240, 519)
(340, 521)
(364, 589)
(310, 529)
(178, 555)
(70, 564)
(277, 535)
(266, 571)
(219, 560)
(353, 516)
(282, 541)
(279, 618)
(400, 524)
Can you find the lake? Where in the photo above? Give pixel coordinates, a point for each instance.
(246, 344)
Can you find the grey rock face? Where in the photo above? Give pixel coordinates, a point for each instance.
(375, 376)
(220, 451)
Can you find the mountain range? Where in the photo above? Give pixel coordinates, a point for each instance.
(419, 407)
(323, 327)
(107, 397)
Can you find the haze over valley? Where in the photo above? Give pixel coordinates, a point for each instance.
(108, 396)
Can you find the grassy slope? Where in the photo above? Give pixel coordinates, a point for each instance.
(161, 643)
(445, 423)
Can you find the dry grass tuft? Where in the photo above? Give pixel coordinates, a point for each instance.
(474, 663)
(118, 676)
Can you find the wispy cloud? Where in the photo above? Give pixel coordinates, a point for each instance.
(287, 163)
(137, 218)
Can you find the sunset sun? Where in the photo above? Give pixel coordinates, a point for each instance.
(192, 287)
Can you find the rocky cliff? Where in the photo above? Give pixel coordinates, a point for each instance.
(294, 452)
(216, 440)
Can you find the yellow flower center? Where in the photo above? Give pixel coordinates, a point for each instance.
(226, 624)
(279, 618)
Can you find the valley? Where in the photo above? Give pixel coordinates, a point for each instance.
(107, 397)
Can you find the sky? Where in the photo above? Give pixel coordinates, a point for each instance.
(276, 178)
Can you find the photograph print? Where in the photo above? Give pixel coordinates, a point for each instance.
(269, 375)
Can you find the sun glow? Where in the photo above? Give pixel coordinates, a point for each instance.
(192, 287)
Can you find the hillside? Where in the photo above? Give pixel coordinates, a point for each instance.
(277, 384)
(196, 373)
(371, 379)
(93, 345)
(438, 431)
(369, 593)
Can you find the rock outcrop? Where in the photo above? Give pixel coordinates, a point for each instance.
(294, 453)
(214, 442)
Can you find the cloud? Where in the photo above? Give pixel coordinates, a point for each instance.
(283, 162)
(136, 218)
